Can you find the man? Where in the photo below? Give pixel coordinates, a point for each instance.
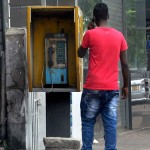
(100, 95)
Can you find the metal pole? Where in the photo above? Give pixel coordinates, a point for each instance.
(128, 103)
(129, 106)
(43, 2)
(3, 117)
(76, 2)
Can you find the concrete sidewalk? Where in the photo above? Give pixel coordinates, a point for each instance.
(130, 140)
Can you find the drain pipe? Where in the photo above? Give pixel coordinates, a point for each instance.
(3, 116)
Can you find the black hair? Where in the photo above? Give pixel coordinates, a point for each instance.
(100, 12)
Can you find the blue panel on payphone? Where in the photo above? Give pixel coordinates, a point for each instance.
(56, 59)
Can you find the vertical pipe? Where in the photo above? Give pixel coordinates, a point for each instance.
(129, 106)
(43, 2)
(32, 106)
(8, 14)
(76, 2)
(3, 100)
(128, 102)
(3, 116)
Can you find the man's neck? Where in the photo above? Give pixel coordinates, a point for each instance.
(103, 24)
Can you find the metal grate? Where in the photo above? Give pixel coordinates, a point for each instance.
(115, 13)
(140, 21)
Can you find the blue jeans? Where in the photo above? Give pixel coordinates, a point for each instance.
(93, 103)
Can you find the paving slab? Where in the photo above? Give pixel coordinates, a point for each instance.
(130, 140)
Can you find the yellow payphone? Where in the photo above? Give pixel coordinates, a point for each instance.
(54, 34)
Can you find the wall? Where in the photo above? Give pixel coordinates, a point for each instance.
(18, 9)
(61, 2)
(36, 120)
(16, 93)
(26, 111)
(75, 115)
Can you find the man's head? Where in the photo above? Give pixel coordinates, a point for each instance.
(100, 13)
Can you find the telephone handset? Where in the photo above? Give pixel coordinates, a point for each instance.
(50, 53)
(92, 24)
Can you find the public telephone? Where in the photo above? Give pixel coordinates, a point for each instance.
(56, 59)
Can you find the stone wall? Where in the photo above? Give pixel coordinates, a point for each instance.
(16, 88)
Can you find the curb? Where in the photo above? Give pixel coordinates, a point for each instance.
(57, 143)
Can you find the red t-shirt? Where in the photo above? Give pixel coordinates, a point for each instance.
(104, 45)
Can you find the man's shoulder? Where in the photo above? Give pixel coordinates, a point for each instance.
(116, 31)
(96, 30)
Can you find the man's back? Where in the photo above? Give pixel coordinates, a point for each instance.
(104, 45)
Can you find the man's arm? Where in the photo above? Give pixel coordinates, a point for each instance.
(82, 52)
(125, 73)
(86, 41)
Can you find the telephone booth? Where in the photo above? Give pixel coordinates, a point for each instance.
(54, 35)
